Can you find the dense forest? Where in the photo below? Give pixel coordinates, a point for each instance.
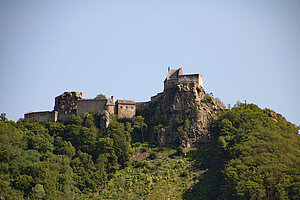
(253, 154)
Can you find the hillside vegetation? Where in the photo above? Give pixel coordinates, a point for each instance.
(252, 154)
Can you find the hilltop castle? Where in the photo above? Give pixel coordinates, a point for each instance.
(72, 103)
(175, 77)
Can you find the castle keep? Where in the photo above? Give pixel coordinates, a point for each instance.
(72, 103)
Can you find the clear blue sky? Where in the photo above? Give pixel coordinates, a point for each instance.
(244, 50)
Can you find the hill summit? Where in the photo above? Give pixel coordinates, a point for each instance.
(180, 114)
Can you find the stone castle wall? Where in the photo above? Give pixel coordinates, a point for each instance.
(169, 84)
(156, 97)
(141, 105)
(110, 109)
(64, 116)
(191, 78)
(87, 105)
(47, 116)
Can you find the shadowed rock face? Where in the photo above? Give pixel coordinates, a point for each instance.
(181, 115)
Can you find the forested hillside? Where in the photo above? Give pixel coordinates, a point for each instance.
(259, 151)
(252, 154)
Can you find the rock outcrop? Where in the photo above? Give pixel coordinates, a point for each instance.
(180, 115)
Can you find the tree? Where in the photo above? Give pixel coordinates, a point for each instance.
(64, 147)
(116, 131)
(101, 96)
(38, 192)
(23, 182)
(184, 130)
(140, 127)
(3, 117)
(89, 119)
(74, 120)
(261, 152)
(84, 167)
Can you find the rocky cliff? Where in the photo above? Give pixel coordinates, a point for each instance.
(180, 115)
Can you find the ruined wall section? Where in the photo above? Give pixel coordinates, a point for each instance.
(47, 116)
(66, 104)
(72, 103)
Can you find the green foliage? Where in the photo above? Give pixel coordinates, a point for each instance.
(89, 119)
(61, 161)
(75, 120)
(122, 148)
(262, 152)
(38, 192)
(153, 155)
(101, 96)
(159, 129)
(184, 129)
(207, 99)
(85, 169)
(219, 102)
(3, 117)
(63, 147)
(56, 129)
(159, 178)
(253, 154)
(139, 129)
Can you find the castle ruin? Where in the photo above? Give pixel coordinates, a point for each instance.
(73, 103)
